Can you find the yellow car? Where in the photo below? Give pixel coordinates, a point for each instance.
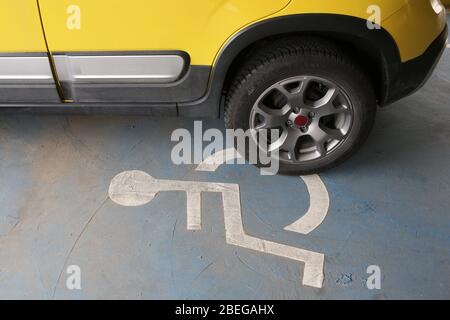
(314, 70)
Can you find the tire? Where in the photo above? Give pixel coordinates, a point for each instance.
(321, 68)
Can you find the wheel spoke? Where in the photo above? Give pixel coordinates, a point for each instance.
(268, 142)
(273, 118)
(335, 134)
(323, 135)
(291, 143)
(295, 96)
(329, 110)
(276, 145)
(327, 99)
(326, 107)
(320, 146)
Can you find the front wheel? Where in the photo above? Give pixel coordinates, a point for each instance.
(320, 102)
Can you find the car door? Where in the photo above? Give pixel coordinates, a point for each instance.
(142, 50)
(25, 72)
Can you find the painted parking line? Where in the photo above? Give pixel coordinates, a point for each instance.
(319, 204)
(213, 162)
(133, 188)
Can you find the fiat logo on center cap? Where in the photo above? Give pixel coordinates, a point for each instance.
(301, 121)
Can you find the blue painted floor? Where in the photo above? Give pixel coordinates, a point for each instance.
(390, 206)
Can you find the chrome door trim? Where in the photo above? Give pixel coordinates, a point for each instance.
(34, 69)
(119, 69)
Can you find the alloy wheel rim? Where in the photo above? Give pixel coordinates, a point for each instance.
(312, 115)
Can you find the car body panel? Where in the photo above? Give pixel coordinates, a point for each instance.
(20, 27)
(415, 27)
(108, 28)
(25, 71)
(196, 27)
(401, 18)
(201, 28)
(192, 45)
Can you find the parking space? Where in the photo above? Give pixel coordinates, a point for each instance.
(389, 207)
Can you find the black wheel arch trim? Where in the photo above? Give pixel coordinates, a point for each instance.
(330, 25)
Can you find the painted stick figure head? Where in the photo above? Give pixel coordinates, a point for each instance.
(133, 188)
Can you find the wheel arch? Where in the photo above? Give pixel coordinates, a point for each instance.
(351, 33)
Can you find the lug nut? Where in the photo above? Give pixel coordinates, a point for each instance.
(312, 114)
(289, 123)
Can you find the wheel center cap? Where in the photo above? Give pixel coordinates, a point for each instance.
(301, 121)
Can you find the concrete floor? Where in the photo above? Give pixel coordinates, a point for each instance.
(390, 207)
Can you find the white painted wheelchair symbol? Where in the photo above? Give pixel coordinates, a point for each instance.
(137, 188)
